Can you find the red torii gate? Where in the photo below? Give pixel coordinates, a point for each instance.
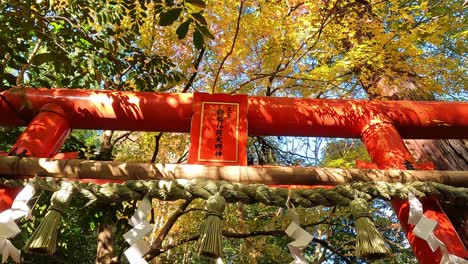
(380, 124)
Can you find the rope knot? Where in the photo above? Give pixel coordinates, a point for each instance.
(369, 242)
(210, 242)
(358, 215)
(56, 208)
(44, 238)
(214, 213)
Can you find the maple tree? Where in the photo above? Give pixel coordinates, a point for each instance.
(322, 49)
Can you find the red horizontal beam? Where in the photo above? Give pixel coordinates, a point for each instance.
(280, 116)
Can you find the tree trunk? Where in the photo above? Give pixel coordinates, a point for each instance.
(105, 247)
(105, 152)
(446, 154)
(404, 85)
(450, 154)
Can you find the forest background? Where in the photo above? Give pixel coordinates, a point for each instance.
(348, 49)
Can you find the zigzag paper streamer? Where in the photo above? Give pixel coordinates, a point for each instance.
(424, 229)
(138, 247)
(301, 236)
(8, 227)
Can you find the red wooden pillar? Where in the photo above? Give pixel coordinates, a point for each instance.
(42, 138)
(387, 150)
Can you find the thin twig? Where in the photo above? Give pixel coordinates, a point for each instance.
(183, 157)
(4, 61)
(276, 233)
(123, 136)
(196, 65)
(282, 67)
(232, 47)
(25, 67)
(270, 80)
(194, 210)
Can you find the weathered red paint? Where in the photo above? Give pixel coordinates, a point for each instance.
(266, 115)
(45, 134)
(42, 138)
(103, 109)
(387, 150)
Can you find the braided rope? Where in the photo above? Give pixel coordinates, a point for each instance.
(170, 190)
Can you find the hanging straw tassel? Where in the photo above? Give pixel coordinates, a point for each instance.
(44, 238)
(369, 242)
(210, 242)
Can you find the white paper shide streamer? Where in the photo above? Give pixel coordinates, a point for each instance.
(301, 236)
(134, 237)
(8, 227)
(424, 229)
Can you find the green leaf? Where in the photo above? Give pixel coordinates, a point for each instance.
(204, 30)
(42, 58)
(132, 14)
(65, 81)
(10, 78)
(199, 18)
(158, 9)
(198, 39)
(99, 17)
(19, 58)
(196, 3)
(169, 17)
(131, 6)
(43, 83)
(183, 29)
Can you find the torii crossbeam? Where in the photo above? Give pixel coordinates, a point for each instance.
(50, 114)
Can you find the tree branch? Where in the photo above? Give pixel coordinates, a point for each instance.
(194, 74)
(258, 77)
(25, 67)
(317, 34)
(279, 69)
(293, 8)
(157, 139)
(280, 233)
(183, 157)
(125, 135)
(270, 80)
(4, 61)
(157, 249)
(232, 47)
(275, 233)
(156, 246)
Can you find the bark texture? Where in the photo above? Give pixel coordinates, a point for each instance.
(449, 154)
(445, 154)
(105, 246)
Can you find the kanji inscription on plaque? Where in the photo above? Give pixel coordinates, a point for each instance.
(219, 129)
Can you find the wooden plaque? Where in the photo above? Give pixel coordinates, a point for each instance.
(219, 129)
